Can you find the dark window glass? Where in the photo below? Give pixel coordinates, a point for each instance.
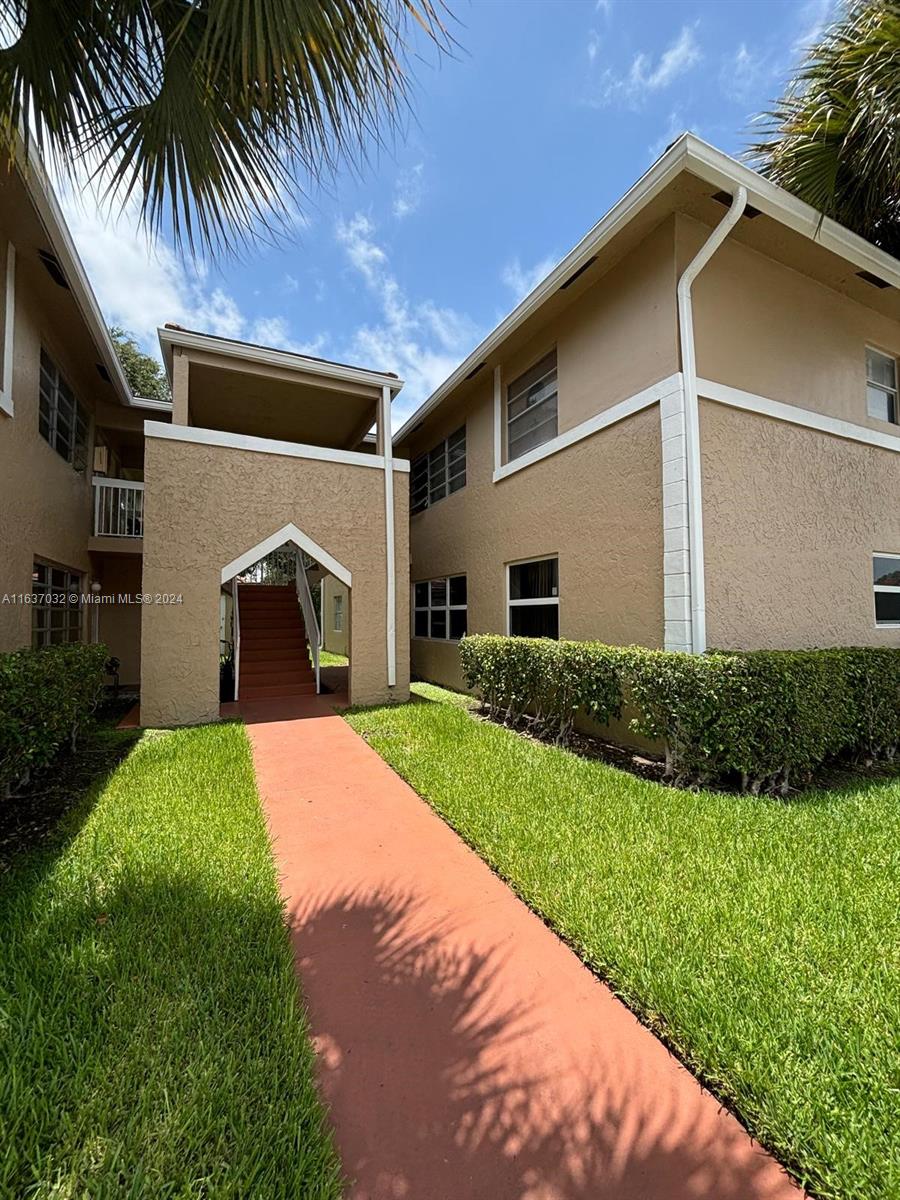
(438, 593)
(61, 419)
(458, 623)
(531, 408)
(421, 595)
(421, 623)
(887, 607)
(886, 572)
(534, 580)
(438, 473)
(534, 620)
(439, 622)
(53, 619)
(457, 589)
(418, 484)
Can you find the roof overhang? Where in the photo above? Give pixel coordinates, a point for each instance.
(43, 199)
(268, 356)
(688, 154)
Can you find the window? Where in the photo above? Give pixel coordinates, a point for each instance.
(886, 579)
(61, 419)
(440, 608)
(439, 473)
(881, 386)
(54, 619)
(534, 598)
(531, 408)
(338, 623)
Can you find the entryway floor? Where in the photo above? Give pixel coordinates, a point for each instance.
(465, 1052)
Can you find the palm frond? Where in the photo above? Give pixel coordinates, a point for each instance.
(215, 115)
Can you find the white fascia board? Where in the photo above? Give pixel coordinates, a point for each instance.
(718, 169)
(272, 358)
(155, 405)
(723, 393)
(240, 441)
(651, 183)
(288, 533)
(41, 194)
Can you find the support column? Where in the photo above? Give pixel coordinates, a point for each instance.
(676, 523)
(385, 445)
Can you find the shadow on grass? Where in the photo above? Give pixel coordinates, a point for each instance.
(156, 1046)
(438, 1088)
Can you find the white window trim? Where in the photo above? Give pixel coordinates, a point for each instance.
(508, 420)
(429, 608)
(895, 390)
(880, 587)
(518, 562)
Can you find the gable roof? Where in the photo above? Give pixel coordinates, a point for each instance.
(687, 154)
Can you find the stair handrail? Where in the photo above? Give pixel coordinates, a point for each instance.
(304, 595)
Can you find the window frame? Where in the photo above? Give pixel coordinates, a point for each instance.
(337, 614)
(446, 608)
(41, 631)
(510, 398)
(548, 600)
(436, 462)
(877, 588)
(79, 439)
(892, 393)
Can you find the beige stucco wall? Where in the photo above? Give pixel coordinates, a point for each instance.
(205, 506)
(767, 329)
(120, 623)
(45, 504)
(596, 505)
(335, 640)
(791, 520)
(617, 338)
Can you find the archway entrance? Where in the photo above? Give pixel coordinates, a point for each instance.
(270, 630)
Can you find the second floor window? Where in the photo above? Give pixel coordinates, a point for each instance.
(881, 386)
(438, 473)
(531, 416)
(61, 419)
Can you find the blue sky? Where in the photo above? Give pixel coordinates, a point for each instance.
(548, 113)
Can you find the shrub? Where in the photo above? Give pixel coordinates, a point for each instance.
(554, 681)
(768, 716)
(46, 696)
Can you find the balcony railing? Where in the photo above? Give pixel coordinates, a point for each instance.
(118, 508)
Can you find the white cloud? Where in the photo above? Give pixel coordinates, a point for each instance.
(409, 189)
(421, 341)
(644, 75)
(522, 280)
(813, 16)
(675, 126)
(593, 45)
(605, 7)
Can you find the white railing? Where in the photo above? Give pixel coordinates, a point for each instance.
(304, 595)
(118, 508)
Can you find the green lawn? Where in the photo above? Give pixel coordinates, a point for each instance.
(327, 659)
(759, 938)
(153, 1043)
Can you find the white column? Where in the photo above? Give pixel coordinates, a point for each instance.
(386, 448)
(676, 523)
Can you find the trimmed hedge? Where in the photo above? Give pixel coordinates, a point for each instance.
(766, 716)
(46, 696)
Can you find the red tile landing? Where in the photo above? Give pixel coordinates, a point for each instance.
(465, 1052)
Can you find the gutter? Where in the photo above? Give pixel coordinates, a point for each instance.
(692, 414)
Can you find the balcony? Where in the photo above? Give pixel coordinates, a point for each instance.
(118, 515)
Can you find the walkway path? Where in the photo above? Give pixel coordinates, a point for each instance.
(465, 1052)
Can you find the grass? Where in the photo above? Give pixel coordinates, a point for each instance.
(327, 659)
(154, 1045)
(759, 938)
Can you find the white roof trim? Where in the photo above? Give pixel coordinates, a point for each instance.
(242, 441)
(288, 534)
(271, 357)
(688, 153)
(42, 197)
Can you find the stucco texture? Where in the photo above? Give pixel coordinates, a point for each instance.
(45, 504)
(791, 520)
(767, 329)
(205, 506)
(335, 640)
(597, 506)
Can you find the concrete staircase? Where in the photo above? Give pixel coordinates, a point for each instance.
(274, 654)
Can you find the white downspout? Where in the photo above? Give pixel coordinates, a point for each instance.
(692, 415)
(387, 451)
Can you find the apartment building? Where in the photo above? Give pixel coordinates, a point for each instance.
(686, 436)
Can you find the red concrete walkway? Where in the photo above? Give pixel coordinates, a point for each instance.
(464, 1051)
